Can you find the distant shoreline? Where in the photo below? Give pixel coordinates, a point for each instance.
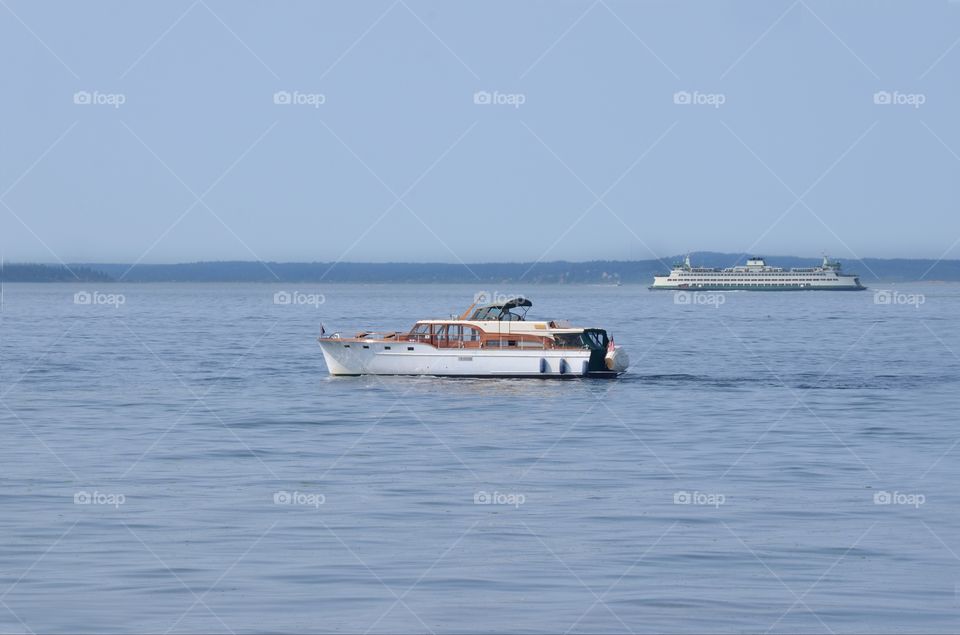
(608, 272)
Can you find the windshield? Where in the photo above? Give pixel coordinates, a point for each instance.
(496, 313)
(486, 313)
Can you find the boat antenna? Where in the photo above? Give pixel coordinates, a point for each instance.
(466, 314)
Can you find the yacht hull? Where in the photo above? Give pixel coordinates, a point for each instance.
(354, 357)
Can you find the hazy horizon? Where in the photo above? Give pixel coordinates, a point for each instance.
(668, 258)
(417, 131)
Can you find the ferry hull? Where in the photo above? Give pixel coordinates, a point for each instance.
(733, 287)
(409, 358)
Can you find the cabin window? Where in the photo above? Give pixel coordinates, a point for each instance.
(420, 332)
(568, 340)
(450, 335)
(517, 343)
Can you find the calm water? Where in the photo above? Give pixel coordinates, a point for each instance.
(727, 483)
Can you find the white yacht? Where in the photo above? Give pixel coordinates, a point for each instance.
(488, 340)
(757, 275)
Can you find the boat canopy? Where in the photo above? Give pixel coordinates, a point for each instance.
(512, 309)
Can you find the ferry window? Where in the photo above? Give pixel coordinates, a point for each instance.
(454, 331)
(470, 334)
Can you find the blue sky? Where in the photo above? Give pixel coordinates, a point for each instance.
(477, 131)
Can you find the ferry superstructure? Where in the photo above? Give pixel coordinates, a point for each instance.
(488, 340)
(756, 275)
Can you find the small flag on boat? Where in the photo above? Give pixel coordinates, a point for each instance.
(322, 330)
(610, 345)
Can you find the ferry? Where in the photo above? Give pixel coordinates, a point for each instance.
(756, 275)
(488, 340)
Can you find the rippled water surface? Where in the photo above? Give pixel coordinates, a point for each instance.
(729, 482)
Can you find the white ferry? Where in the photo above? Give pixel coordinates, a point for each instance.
(489, 340)
(756, 275)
